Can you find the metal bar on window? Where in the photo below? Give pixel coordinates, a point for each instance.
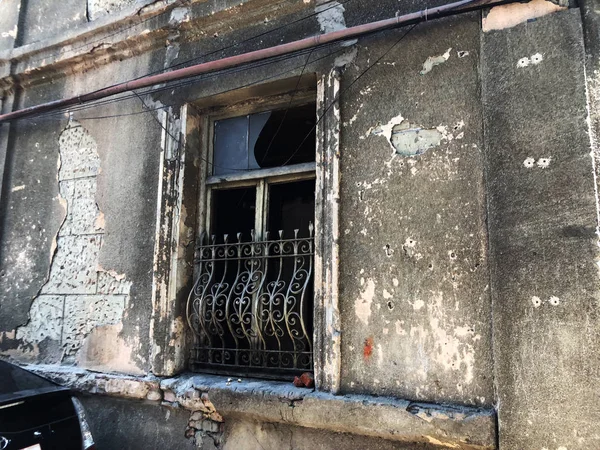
(251, 306)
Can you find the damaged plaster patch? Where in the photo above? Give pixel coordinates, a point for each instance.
(453, 344)
(408, 139)
(362, 305)
(533, 60)
(179, 15)
(330, 15)
(433, 61)
(12, 33)
(101, 8)
(508, 16)
(79, 295)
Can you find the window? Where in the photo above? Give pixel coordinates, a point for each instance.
(251, 308)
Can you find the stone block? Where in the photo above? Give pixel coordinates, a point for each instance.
(45, 319)
(78, 154)
(109, 283)
(73, 269)
(83, 313)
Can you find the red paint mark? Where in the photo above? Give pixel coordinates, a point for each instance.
(368, 350)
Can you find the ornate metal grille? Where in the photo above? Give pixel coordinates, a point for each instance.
(251, 306)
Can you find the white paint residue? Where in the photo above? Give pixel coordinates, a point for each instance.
(529, 162)
(347, 57)
(12, 33)
(386, 294)
(523, 62)
(453, 346)
(534, 59)
(179, 15)
(379, 355)
(399, 329)
(554, 301)
(544, 162)
(330, 16)
(362, 305)
(537, 302)
(18, 188)
(417, 305)
(433, 61)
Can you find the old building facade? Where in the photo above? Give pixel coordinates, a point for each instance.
(435, 184)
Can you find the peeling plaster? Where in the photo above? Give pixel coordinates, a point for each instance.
(453, 345)
(362, 305)
(101, 8)
(433, 61)
(12, 33)
(408, 139)
(330, 15)
(79, 295)
(179, 15)
(508, 16)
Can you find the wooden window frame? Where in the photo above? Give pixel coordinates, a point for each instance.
(182, 196)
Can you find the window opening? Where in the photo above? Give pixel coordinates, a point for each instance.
(251, 308)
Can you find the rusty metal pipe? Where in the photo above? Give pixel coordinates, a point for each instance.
(244, 58)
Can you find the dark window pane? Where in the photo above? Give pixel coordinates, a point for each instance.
(257, 123)
(231, 145)
(291, 206)
(287, 138)
(233, 212)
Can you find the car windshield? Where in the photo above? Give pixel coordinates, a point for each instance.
(14, 379)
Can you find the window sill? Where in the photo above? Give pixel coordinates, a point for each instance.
(281, 402)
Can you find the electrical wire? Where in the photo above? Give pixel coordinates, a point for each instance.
(319, 119)
(205, 55)
(177, 84)
(338, 95)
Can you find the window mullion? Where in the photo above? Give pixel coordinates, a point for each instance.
(260, 214)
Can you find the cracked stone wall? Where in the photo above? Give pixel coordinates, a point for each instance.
(79, 294)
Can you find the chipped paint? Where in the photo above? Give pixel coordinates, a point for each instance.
(507, 16)
(362, 305)
(544, 163)
(408, 139)
(433, 61)
(528, 61)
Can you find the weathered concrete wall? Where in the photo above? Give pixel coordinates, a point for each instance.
(455, 134)
(131, 425)
(543, 238)
(414, 281)
(78, 232)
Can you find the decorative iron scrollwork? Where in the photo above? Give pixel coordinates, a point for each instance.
(251, 305)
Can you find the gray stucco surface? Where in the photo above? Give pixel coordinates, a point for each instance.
(135, 425)
(468, 223)
(413, 251)
(542, 222)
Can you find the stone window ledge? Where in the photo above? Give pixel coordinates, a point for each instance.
(220, 397)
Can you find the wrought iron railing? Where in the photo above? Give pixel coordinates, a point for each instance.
(251, 305)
